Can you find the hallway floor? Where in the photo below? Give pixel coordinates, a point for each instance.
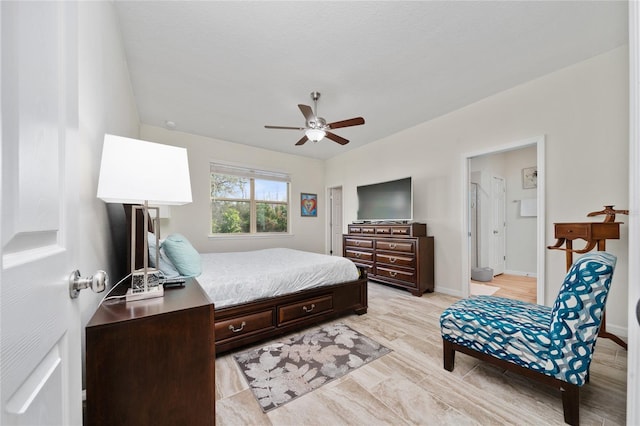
(513, 287)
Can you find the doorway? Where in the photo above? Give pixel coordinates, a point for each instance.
(335, 221)
(500, 214)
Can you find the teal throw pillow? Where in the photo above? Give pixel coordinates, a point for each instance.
(184, 257)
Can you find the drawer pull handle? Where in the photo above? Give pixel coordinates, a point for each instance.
(392, 259)
(237, 330)
(358, 254)
(304, 308)
(357, 243)
(392, 245)
(393, 273)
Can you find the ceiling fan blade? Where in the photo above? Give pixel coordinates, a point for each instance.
(336, 138)
(285, 127)
(346, 123)
(303, 140)
(306, 111)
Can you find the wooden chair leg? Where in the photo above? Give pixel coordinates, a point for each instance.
(448, 355)
(571, 403)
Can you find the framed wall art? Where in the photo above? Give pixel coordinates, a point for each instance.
(308, 204)
(530, 177)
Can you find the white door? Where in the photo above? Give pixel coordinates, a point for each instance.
(498, 222)
(335, 224)
(40, 346)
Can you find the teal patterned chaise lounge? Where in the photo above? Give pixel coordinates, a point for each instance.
(551, 345)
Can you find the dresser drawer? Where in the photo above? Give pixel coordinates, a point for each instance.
(368, 230)
(310, 307)
(396, 245)
(392, 259)
(242, 325)
(359, 255)
(397, 274)
(401, 230)
(360, 243)
(383, 230)
(573, 230)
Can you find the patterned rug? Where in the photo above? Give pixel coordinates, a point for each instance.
(281, 372)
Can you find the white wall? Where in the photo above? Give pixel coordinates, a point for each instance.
(583, 111)
(106, 105)
(193, 221)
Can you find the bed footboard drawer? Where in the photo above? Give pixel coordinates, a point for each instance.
(310, 307)
(242, 325)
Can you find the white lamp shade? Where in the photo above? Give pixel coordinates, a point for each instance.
(134, 171)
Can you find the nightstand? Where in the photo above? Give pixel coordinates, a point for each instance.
(152, 362)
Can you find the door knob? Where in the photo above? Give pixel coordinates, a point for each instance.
(97, 282)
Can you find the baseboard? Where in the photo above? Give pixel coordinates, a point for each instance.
(522, 274)
(447, 291)
(618, 330)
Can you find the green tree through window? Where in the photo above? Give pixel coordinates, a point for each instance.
(246, 201)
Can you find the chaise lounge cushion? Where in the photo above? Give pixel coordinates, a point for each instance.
(507, 329)
(556, 341)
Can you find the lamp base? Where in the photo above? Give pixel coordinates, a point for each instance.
(155, 291)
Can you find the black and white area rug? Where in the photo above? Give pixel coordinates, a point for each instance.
(280, 372)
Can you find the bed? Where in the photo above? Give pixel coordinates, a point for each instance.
(261, 294)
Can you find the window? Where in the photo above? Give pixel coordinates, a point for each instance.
(248, 201)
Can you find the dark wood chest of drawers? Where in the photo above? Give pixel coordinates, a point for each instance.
(397, 254)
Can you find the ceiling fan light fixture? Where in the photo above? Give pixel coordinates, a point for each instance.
(315, 135)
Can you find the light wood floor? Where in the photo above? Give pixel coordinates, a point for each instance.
(409, 386)
(514, 287)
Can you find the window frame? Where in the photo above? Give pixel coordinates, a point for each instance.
(252, 174)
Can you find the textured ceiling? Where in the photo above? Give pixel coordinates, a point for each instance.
(225, 69)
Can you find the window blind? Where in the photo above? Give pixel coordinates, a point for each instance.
(226, 169)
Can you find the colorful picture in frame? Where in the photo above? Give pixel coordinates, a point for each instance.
(530, 177)
(308, 204)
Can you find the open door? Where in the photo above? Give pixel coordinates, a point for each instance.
(41, 351)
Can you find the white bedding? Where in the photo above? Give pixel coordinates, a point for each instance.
(239, 277)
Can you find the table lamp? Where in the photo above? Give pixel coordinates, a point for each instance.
(139, 172)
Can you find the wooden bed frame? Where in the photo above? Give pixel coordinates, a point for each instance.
(247, 323)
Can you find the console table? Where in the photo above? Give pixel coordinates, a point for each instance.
(595, 234)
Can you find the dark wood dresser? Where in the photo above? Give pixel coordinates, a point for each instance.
(397, 254)
(152, 362)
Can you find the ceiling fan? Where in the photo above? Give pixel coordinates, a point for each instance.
(316, 127)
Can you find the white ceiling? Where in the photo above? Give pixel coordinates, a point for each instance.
(225, 69)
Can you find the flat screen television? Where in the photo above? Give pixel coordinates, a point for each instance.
(386, 201)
